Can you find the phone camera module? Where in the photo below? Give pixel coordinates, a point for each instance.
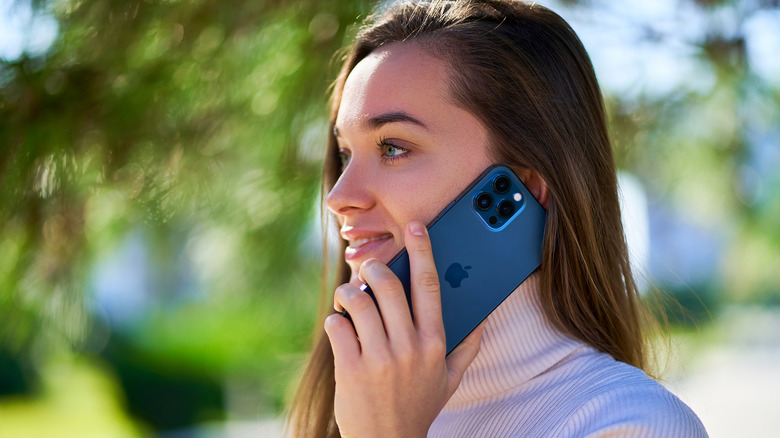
(502, 184)
(505, 208)
(483, 201)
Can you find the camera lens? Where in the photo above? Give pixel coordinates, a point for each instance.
(501, 184)
(484, 201)
(505, 208)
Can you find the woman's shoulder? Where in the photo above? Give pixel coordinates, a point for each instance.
(612, 398)
(587, 393)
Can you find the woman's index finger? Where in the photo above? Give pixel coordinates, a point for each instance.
(426, 293)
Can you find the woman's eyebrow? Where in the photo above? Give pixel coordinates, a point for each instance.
(377, 122)
(393, 117)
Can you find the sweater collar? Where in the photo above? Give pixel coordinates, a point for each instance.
(518, 344)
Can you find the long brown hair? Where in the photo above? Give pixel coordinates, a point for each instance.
(523, 72)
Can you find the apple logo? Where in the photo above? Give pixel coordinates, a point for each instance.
(456, 274)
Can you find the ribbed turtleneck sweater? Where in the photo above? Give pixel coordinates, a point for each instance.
(531, 380)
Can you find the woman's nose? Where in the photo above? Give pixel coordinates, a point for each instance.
(352, 192)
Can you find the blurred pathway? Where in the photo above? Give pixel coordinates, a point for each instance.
(733, 381)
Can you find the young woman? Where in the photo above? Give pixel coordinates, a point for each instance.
(430, 95)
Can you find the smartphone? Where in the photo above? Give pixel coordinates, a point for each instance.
(485, 244)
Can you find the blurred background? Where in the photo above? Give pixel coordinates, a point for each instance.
(160, 241)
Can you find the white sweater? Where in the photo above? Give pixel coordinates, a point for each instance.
(530, 380)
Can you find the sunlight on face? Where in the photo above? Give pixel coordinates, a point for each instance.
(407, 150)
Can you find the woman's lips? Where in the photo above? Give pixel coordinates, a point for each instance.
(361, 248)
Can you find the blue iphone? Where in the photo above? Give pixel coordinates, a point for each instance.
(485, 244)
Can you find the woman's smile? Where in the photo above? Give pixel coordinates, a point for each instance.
(363, 245)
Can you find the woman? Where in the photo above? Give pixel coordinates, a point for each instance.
(429, 96)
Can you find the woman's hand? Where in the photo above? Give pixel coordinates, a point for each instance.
(392, 377)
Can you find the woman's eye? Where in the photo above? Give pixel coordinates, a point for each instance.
(344, 158)
(392, 150)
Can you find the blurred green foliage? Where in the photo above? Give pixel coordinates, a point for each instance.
(191, 119)
(709, 152)
(197, 128)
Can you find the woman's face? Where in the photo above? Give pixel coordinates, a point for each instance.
(406, 150)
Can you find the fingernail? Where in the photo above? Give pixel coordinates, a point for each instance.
(417, 228)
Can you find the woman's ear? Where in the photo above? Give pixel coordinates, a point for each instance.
(536, 185)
